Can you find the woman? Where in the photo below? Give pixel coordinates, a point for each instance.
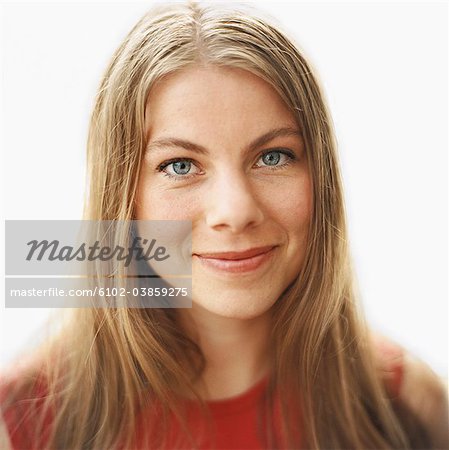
(214, 116)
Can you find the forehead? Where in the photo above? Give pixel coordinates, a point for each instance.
(218, 101)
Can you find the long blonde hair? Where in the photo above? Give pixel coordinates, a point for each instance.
(109, 364)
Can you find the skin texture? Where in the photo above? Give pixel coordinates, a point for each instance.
(235, 200)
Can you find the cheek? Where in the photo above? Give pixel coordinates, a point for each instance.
(292, 206)
(161, 204)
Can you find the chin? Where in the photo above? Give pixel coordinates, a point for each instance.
(235, 306)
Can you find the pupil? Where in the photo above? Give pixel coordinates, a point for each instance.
(181, 167)
(272, 158)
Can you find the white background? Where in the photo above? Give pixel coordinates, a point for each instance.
(384, 68)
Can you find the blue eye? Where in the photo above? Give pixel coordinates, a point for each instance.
(177, 168)
(273, 157)
(181, 167)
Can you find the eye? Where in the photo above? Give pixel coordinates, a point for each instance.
(178, 168)
(276, 158)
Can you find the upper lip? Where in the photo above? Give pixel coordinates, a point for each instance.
(237, 255)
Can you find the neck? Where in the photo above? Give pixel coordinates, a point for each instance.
(237, 351)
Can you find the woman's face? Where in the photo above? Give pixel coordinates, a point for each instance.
(225, 153)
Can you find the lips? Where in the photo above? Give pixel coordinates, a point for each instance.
(235, 255)
(233, 263)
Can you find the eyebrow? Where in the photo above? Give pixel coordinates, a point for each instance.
(259, 142)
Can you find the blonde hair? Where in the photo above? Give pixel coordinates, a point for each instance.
(114, 363)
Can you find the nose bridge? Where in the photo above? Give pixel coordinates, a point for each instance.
(232, 201)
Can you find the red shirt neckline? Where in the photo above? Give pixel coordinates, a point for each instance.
(231, 405)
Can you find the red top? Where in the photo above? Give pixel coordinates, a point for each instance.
(235, 419)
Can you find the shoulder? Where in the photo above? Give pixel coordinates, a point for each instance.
(390, 361)
(415, 385)
(5, 441)
(424, 393)
(22, 397)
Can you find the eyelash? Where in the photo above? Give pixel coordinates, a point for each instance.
(165, 164)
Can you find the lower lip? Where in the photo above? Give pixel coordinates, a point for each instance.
(237, 265)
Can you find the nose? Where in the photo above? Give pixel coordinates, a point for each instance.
(232, 204)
